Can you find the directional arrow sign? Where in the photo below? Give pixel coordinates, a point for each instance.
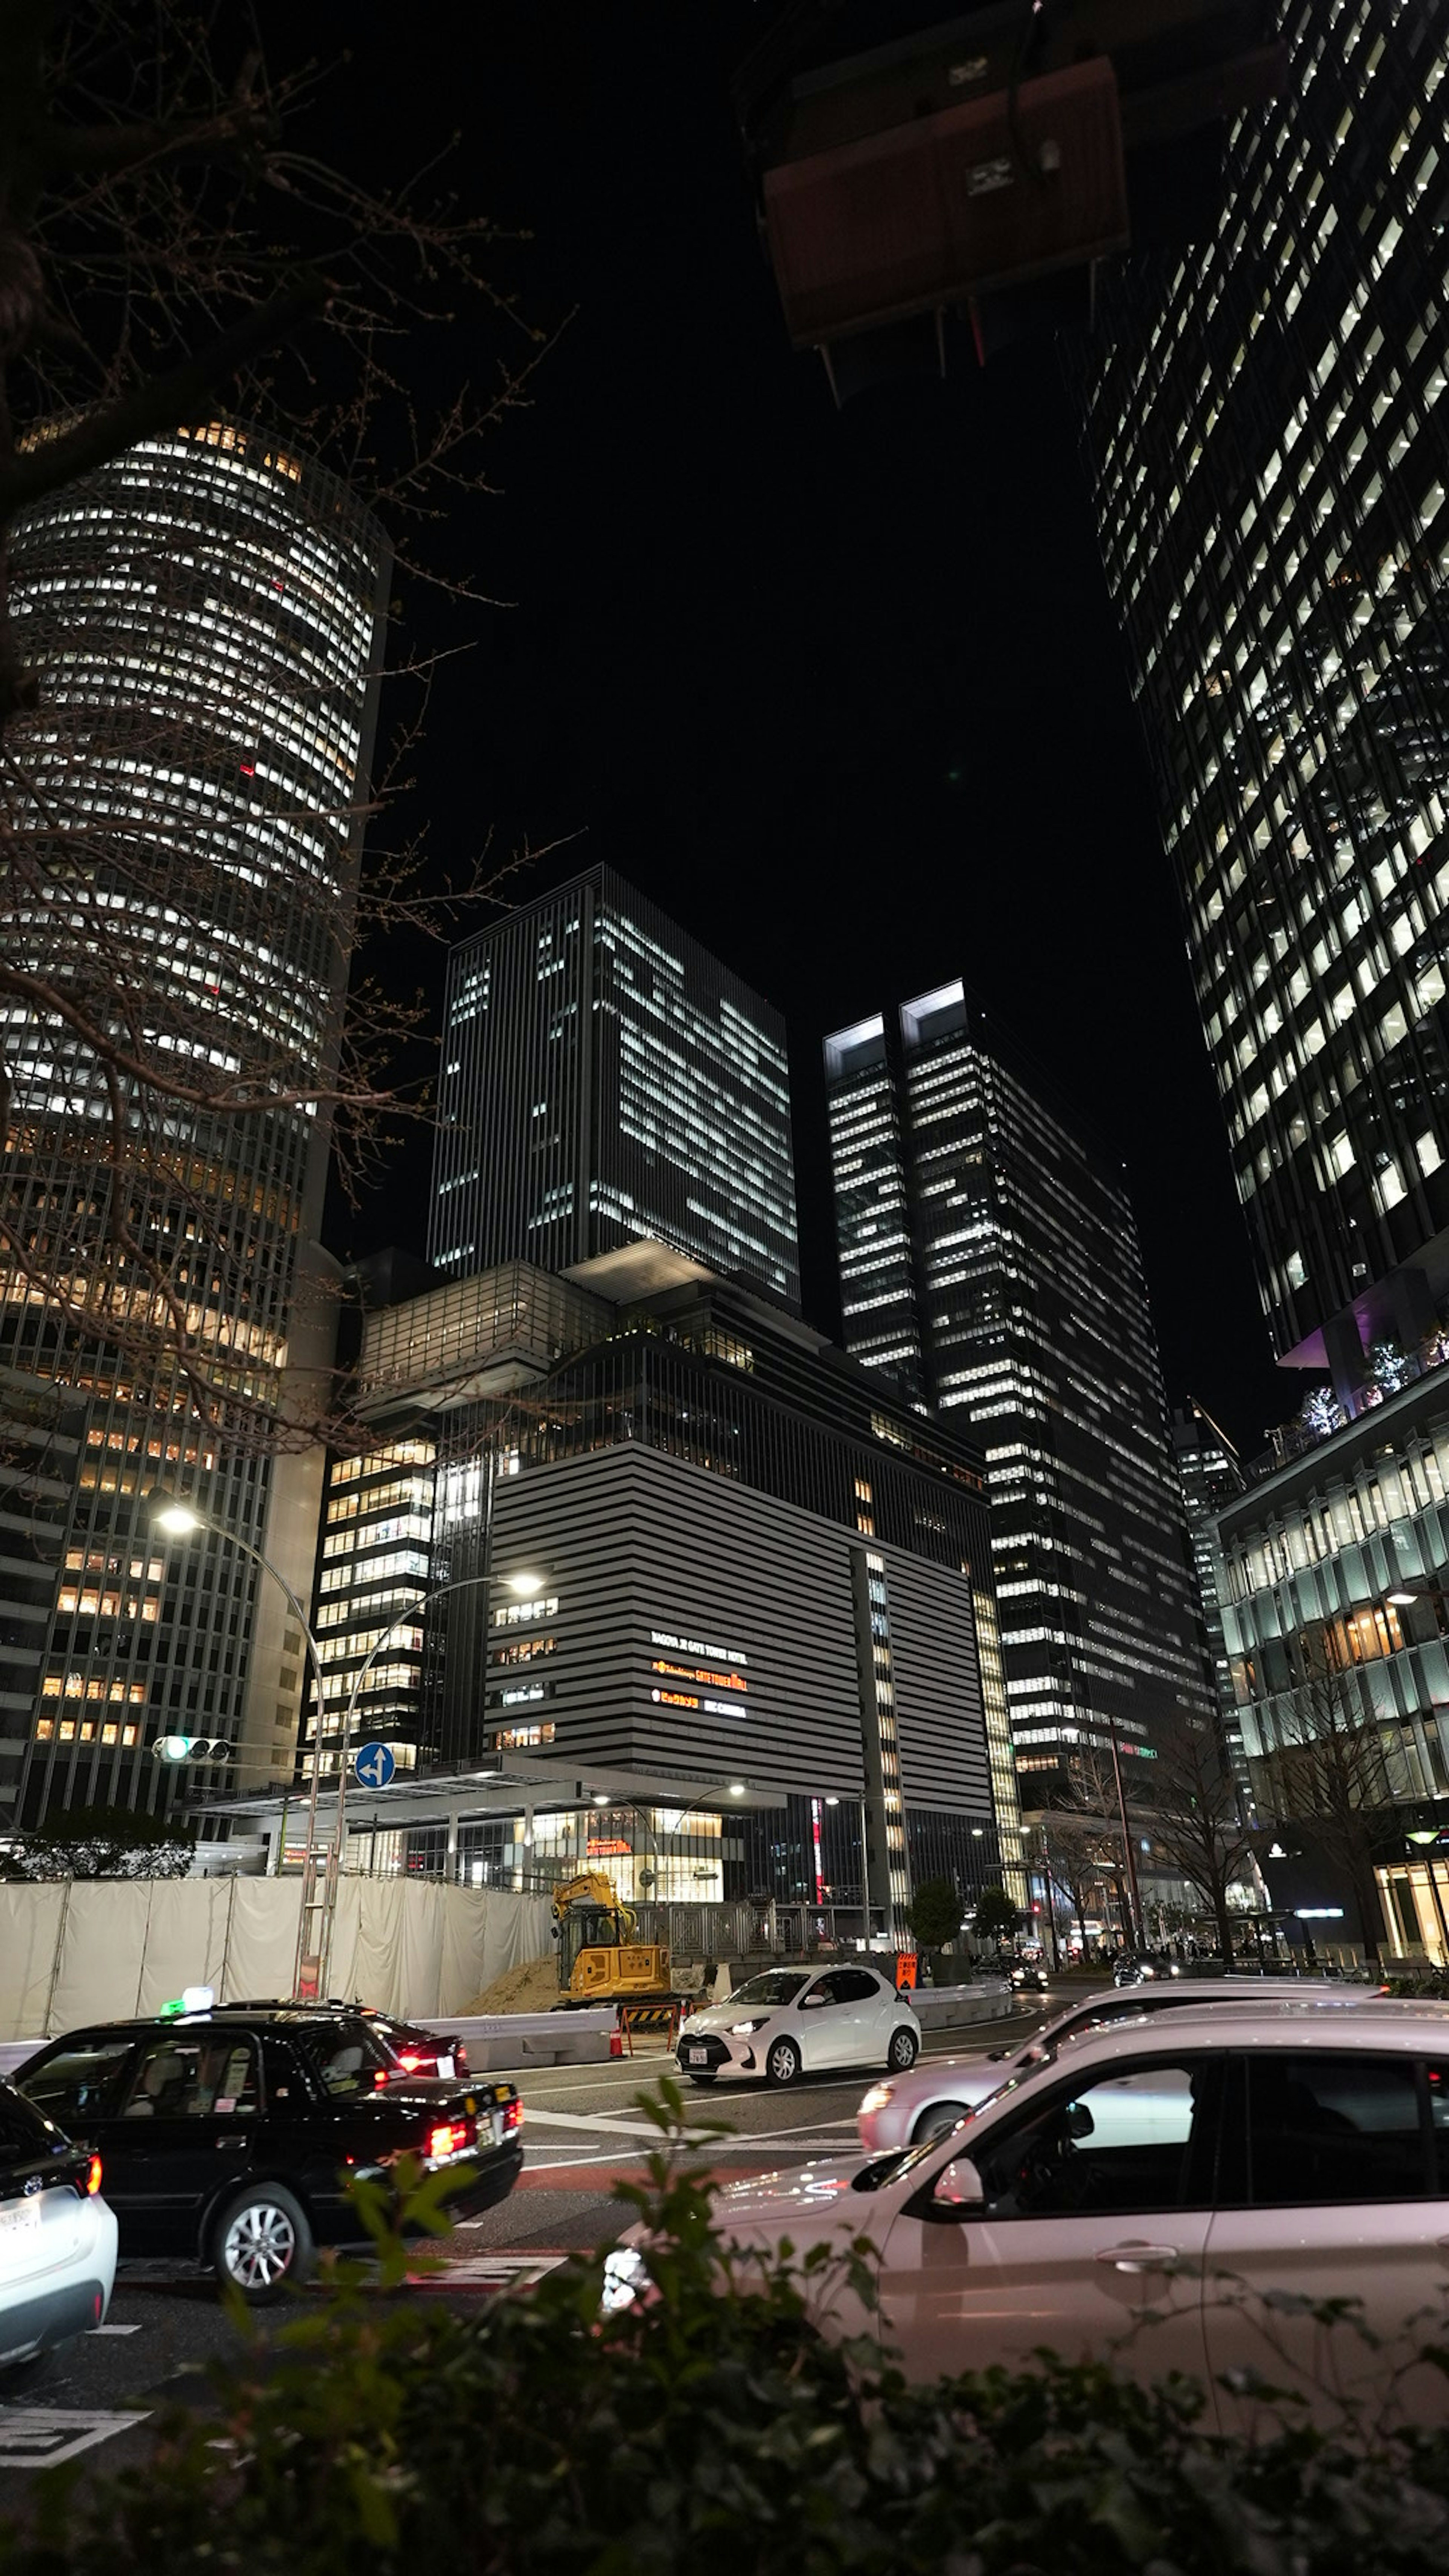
(374, 1766)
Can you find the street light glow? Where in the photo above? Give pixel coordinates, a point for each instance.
(178, 1520)
(1401, 1600)
(737, 1788)
(527, 1586)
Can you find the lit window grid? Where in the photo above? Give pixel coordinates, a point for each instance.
(1299, 633)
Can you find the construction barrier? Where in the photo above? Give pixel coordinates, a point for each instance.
(649, 2019)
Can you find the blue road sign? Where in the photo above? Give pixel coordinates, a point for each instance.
(374, 1766)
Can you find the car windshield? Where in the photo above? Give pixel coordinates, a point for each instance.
(776, 1986)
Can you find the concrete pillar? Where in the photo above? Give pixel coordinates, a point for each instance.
(1343, 1349)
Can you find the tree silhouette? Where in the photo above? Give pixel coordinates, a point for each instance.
(1329, 1769)
(1193, 1822)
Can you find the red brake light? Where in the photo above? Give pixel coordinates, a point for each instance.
(450, 2138)
(460, 2057)
(512, 2116)
(409, 2061)
(379, 2079)
(93, 2178)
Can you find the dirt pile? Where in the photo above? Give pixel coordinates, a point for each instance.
(531, 1987)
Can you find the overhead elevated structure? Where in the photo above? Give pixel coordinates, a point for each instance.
(981, 167)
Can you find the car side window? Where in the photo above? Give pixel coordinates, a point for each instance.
(822, 1992)
(1121, 2142)
(345, 2058)
(81, 2081)
(853, 1986)
(194, 2076)
(1343, 2128)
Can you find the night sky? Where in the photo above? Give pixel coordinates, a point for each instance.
(842, 691)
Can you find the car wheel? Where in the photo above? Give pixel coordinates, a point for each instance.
(782, 2062)
(904, 2049)
(934, 2122)
(261, 2244)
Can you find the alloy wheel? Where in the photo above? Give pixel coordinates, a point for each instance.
(260, 2246)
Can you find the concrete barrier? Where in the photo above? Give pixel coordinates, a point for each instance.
(498, 2042)
(956, 2007)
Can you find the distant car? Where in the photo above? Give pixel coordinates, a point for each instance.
(402, 2049)
(906, 2109)
(1182, 2194)
(57, 2240)
(789, 2022)
(1030, 1977)
(228, 2136)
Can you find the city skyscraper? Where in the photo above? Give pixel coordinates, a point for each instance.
(989, 1259)
(1270, 456)
(606, 1081)
(1211, 1479)
(205, 619)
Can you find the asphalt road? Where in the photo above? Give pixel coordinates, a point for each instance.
(584, 2132)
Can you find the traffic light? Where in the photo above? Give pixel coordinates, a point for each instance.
(192, 1748)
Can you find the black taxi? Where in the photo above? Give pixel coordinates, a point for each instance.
(229, 2136)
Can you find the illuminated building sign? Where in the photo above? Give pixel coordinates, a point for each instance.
(700, 1673)
(607, 1847)
(697, 1646)
(690, 1699)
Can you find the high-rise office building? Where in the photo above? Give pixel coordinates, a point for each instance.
(988, 1257)
(205, 618)
(691, 1534)
(1270, 454)
(606, 1081)
(1212, 1478)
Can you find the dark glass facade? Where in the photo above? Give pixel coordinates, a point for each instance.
(606, 1081)
(1269, 450)
(988, 1256)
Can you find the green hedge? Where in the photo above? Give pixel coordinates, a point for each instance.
(711, 2430)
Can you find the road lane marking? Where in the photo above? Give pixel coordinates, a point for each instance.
(98, 2330)
(40, 2437)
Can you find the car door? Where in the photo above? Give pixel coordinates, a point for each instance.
(184, 2129)
(864, 2026)
(824, 2023)
(1090, 2235)
(1334, 2169)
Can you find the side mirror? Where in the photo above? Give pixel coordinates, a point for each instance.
(1080, 2123)
(812, 2003)
(958, 2187)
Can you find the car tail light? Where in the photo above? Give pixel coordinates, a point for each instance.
(409, 2061)
(379, 2079)
(512, 2117)
(460, 2058)
(93, 2177)
(450, 2138)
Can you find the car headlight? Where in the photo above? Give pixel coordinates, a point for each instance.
(878, 2096)
(626, 2279)
(742, 2029)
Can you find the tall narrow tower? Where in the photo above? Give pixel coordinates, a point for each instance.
(989, 1259)
(184, 831)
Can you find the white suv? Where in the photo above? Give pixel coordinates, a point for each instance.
(57, 2239)
(907, 2109)
(790, 2022)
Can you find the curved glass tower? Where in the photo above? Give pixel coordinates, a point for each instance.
(183, 840)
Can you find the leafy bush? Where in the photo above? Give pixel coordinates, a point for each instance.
(712, 2430)
(934, 1913)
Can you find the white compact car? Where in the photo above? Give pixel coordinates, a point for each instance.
(907, 2109)
(1137, 2199)
(789, 2022)
(57, 2239)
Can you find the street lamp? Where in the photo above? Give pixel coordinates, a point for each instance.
(177, 1521)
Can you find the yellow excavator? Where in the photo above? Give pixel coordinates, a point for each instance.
(599, 1960)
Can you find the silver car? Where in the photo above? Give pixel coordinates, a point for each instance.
(932, 2097)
